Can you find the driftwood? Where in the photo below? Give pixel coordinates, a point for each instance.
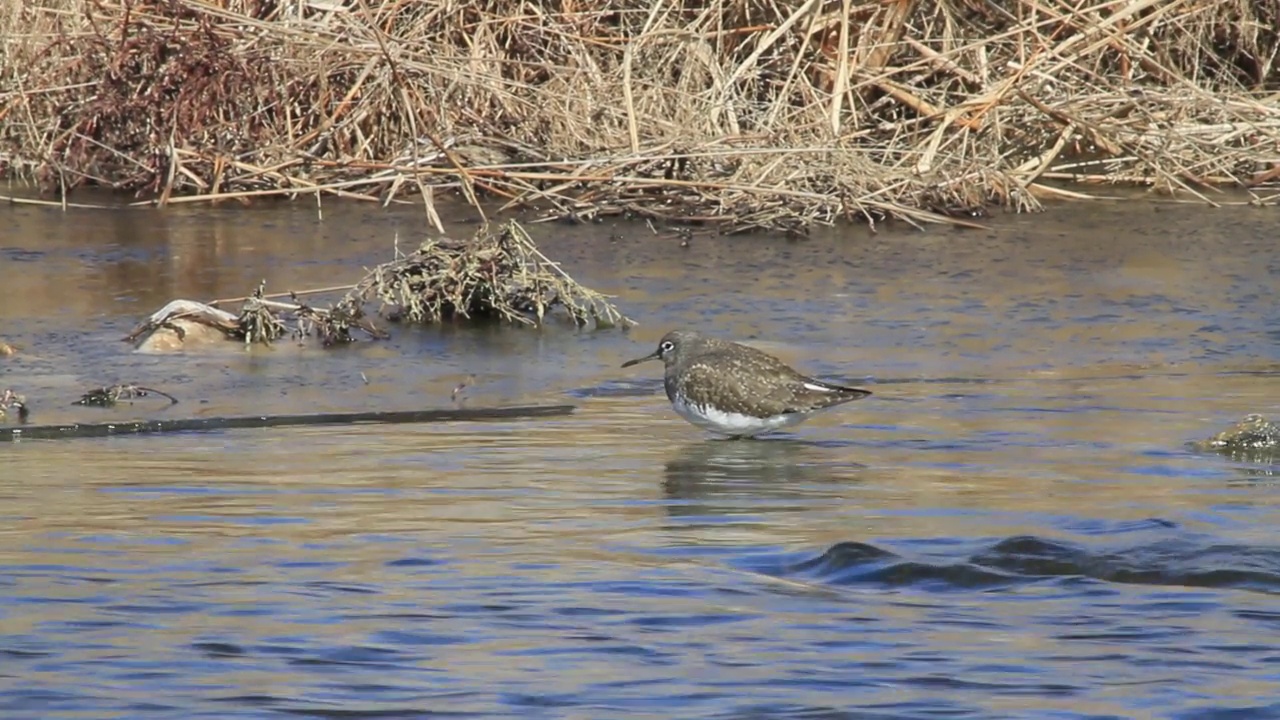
(136, 427)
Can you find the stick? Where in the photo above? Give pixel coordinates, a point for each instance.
(292, 293)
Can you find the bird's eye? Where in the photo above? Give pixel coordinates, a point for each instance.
(667, 346)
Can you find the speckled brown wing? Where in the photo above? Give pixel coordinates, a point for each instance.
(744, 380)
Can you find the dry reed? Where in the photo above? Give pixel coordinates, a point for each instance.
(497, 274)
(739, 114)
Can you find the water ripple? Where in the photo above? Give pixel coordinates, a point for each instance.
(1029, 558)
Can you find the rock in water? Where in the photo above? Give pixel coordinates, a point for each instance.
(1254, 438)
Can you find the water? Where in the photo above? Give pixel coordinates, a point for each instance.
(1010, 527)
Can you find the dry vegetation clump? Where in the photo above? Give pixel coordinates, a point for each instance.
(498, 274)
(1253, 439)
(261, 320)
(258, 321)
(111, 395)
(1254, 432)
(11, 403)
(735, 113)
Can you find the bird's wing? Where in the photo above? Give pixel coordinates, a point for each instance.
(756, 383)
(816, 394)
(723, 383)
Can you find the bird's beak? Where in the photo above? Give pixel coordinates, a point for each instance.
(651, 356)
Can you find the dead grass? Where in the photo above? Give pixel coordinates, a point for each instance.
(498, 274)
(735, 113)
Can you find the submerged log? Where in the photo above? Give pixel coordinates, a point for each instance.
(134, 427)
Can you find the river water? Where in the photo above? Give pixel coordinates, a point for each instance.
(1010, 527)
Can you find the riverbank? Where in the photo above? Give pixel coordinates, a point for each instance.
(720, 113)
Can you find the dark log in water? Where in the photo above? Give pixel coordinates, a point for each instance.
(84, 430)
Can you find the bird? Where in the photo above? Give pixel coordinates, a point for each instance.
(735, 390)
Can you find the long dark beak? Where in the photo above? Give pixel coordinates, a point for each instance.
(651, 356)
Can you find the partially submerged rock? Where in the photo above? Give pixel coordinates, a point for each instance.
(183, 325)
(1254, 438)
(187, 324)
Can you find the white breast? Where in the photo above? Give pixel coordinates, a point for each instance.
(731, 423)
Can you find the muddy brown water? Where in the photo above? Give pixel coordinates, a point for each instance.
(1010, 527)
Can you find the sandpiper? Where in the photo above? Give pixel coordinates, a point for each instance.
(736, 390)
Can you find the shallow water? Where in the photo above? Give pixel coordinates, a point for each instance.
(1009, 527)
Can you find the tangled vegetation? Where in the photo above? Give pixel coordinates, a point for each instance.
(111, 395)
(497, 274)
(739, 114)
(15, 404)
(1253, 439)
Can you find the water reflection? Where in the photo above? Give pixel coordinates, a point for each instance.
(1257, 466)
(723, 477)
